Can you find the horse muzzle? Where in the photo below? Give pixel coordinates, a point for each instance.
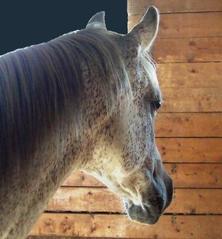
(147, 215)
(154, 206)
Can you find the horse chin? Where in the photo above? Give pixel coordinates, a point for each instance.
(144, 214)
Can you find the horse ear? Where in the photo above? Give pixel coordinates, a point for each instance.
(97, 20)
(146, 30)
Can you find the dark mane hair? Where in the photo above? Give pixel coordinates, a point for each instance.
(38, 82)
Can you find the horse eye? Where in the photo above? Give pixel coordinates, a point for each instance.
(156, 104)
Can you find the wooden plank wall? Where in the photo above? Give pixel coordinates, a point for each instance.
(189, 134)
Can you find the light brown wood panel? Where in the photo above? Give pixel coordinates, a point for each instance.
(68, 237)
(172, 6)
(183, 175)
(92, 225)
(186, 25)
(190, 75)
(81, 179)
(192, 100)
(188, 50)
(188, 201)
(189, 125)
(195, 175)
(192, 150)
(77, 199)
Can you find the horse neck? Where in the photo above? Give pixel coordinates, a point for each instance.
(58, 153)
(25, 195)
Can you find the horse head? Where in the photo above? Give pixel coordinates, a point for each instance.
(125, 156)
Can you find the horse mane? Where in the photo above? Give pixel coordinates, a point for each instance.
(38, 82)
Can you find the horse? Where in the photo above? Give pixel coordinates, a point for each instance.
(87, 101)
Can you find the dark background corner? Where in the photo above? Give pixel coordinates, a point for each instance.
(24, 23)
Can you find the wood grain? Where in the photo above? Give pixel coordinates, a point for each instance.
(188, 50)
(190, 75)
(188, 25)
(68, 237)
(190, 150)
(195, 175)
(192, 100)
(72, 199)
(81, 179)
(88, 225)
(184, 176)
(189, 125)
(172, 6)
